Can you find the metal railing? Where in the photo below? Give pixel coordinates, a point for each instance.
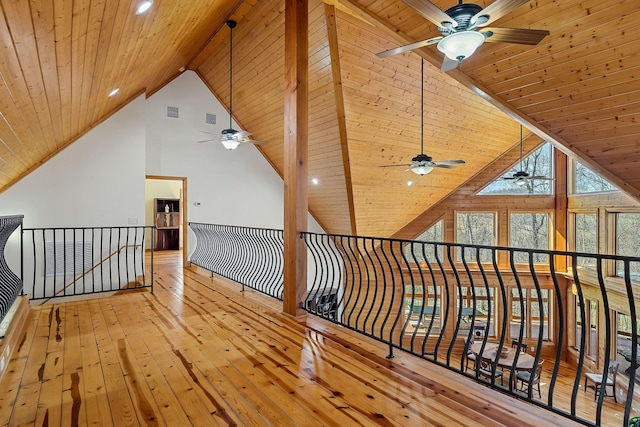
(449, 303)
(446, 302)
(10, 283)
(63, 262)
(250, 256)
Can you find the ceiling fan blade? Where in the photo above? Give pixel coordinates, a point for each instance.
(514, 35)
(205, 140)
(254, 142)
(393, 166)
(449, 64)
(431, 12)
(408, 47)
(242, 134)
(439, 165)
(450, 162)
(497, 10)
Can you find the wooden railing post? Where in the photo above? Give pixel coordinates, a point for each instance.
(295, 151)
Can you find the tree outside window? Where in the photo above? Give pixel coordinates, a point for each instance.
(585, 237)
(531, 231)
(587, 181)
(475, 228)
(628, 241)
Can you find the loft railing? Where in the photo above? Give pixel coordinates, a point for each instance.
(10, 283)
(250, 256)
(451, 303)
(62, 262)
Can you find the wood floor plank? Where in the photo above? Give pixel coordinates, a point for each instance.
(16, 372)
(95, 396)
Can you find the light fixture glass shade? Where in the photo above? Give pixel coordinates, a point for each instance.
(230, 144)
(520, 181)
(461, 45)
(421, 170)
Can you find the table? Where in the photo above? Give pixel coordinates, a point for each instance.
(626, 353)
(525, 360)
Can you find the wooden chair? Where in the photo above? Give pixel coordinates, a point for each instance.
(486, 371)
(469, 355)
(597, 381)
(523, 346)
(530, 376)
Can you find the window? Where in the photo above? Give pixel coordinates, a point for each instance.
(627, 242)
(531, 231)
(418, 252)
(534, 316)
(538, 163)
(475, 229)
(587, 181)
(585, 237)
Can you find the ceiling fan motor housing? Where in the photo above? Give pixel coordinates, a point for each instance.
(422, 158)
(228, 133)
(462, 14)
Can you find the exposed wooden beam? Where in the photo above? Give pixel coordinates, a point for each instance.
(560, 215)
(332, 34)
(296, 122)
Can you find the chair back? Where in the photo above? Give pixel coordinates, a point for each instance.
(613, 370)
(538, 372)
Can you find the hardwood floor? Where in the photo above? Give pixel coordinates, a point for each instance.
(198, 352)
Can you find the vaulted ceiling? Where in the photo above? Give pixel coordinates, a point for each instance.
(578, 88)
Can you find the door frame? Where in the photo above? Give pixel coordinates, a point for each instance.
(184, 210)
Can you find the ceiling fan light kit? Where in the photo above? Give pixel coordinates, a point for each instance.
(227, 139)
(459, 46)
(421, 170)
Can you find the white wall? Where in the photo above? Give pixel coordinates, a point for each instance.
(237, 187)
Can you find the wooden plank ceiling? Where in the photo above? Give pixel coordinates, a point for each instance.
(577, 88)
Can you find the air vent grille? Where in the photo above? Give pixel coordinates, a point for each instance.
(210, 119)
(172, 112)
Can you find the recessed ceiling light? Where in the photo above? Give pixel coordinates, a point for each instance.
(143, 7)
(409, 183)
(315, 181)
(113, 92)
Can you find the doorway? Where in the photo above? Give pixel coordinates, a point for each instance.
(168, 187)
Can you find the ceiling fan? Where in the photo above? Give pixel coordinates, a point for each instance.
(463, 29)
(521, 176)
(423, 164)
(231, 138)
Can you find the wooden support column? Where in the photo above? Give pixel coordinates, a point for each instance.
(296, 118)
(561, 203)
